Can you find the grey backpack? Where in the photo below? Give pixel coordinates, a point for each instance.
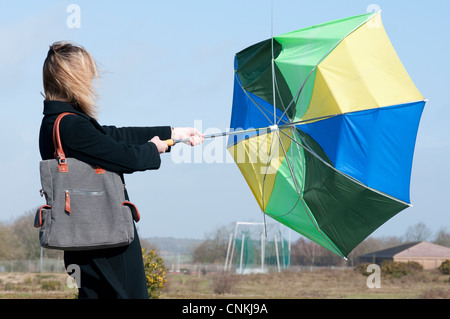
(86, 206)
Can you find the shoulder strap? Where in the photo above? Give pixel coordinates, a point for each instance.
(59, 152)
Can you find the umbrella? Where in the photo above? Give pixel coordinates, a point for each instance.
(325, 121)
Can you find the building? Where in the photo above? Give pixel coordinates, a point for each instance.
(429, 255)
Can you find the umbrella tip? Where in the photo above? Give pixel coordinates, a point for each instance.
(273, 128)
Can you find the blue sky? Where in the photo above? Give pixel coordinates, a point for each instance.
(171, 63)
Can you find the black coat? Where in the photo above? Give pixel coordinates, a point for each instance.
(113, 272)
(122, 150)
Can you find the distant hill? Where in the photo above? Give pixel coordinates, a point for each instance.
(172, 246)
(175, 251)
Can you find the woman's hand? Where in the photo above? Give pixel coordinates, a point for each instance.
(184, 133)
(160, 145)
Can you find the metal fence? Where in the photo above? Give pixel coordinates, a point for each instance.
(52, 265)
(30, 266)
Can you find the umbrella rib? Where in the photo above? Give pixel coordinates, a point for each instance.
(265, 174)
(298, 149)
(293, 177)
(285, 108)
(307, 148)
(325, 237)
(326, 117)
(264, 183)
(254, 102)
(260, 107)
(313, 221)
(289, 164)
(264, 179)
(282, 103)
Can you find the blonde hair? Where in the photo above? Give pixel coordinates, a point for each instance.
(68, 74)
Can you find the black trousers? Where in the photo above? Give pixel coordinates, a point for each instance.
(113, 273)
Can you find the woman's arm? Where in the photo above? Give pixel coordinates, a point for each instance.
(138, 135)
(113, 149)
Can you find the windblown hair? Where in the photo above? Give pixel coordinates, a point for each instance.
(68, 74)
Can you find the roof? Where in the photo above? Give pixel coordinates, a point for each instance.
(410, 250)
(425, 249)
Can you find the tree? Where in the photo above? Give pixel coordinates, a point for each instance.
(214, 248)
(20, 240)
(27, 235)
(9, 246)
(418, 232)
(307, 252)
(443, 237)
(303, 252)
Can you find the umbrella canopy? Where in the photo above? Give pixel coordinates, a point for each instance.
(341, 116)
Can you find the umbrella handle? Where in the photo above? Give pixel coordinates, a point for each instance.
(169, 142)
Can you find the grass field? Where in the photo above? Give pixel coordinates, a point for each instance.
(319, 284)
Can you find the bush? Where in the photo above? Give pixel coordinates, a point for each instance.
(399, 269)
(445, 267)
(362, 269)
(436, 293)
(50, 285)
(224, 283)
(155, 272)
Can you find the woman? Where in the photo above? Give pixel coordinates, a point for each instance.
(68, 74)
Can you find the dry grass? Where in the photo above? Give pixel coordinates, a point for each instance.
(321, 284)
(34, 286)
